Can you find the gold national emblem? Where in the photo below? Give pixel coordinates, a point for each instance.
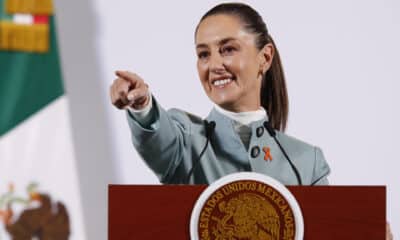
(246, 209)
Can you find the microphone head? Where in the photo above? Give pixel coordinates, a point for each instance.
(211, 125)
(270, 130)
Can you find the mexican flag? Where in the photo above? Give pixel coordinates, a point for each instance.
(39, 188)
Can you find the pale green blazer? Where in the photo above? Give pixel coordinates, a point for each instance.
(171, 145)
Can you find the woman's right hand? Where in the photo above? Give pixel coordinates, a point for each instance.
(129, 90)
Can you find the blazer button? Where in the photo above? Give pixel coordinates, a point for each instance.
(255, 151)
(260, 131)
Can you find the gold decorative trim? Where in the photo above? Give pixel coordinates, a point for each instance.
(34, 7)
(21, 37)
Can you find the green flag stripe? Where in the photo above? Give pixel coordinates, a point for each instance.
(28, 82)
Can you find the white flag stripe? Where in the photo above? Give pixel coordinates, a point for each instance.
(40, 150)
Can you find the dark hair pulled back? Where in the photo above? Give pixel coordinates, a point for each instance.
(274, 97)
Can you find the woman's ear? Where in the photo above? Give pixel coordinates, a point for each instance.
(266, 57)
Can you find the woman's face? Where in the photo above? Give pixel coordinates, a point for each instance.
(230, 66)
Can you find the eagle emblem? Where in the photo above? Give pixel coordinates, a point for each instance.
(246, 206)
(247, 216)
(40, 218)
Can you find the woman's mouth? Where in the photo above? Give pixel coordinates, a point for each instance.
(221, 83)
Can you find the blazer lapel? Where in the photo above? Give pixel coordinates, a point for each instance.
(226, 140)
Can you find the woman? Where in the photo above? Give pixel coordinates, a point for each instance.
(240, 70)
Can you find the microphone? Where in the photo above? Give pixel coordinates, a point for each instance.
(210, 126)
(272, 133)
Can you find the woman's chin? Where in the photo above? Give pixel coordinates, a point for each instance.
(227, 105)
(223, 97)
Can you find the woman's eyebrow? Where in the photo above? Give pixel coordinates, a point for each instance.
(225, 40)
(220, 42)
(201, 45)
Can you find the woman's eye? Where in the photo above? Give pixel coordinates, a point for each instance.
(203, 55)
(227, 50)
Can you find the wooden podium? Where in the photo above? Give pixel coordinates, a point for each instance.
(163, 211)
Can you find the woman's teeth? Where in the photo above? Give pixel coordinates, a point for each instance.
(222, 82)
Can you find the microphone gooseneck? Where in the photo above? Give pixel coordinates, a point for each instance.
(272, 133)
(210, 126)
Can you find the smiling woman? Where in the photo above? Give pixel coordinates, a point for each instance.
(240, 70)
(229, 64)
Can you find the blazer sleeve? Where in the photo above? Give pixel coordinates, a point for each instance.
(321, 169)
(164, 143)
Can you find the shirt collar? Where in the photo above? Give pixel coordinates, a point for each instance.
(244, 118)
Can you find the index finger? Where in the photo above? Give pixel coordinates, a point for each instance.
(131, 77)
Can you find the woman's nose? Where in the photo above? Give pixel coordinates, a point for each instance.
(216, 63)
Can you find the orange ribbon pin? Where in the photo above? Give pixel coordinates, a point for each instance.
(267, 155)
